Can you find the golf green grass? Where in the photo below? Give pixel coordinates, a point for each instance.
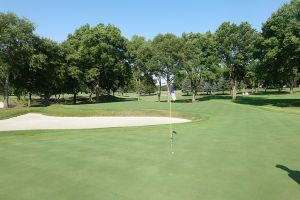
(229, 151)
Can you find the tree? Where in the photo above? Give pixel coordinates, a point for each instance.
(222, 84)
(281, 45)
(109, 52)
(46, 69)
(76, 61)
(140, 53)
(24, 79)
(250, 78)
(186, 86)
(236, 50)
(15, 38)
(198, 59)
(98, 56)
(148, 84)
(165, 59)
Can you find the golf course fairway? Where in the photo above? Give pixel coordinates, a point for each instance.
(244, 150)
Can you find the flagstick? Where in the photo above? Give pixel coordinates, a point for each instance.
(171, 131)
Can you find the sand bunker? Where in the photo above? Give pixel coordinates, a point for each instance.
(34, 121)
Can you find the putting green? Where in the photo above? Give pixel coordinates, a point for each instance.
(230, 151)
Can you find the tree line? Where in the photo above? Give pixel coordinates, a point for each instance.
(99, 59)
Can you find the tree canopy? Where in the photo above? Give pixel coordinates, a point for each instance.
(281, 46)
(99, 60)
(15, 46)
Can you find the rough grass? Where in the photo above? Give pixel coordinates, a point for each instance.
(235, 151)
(60, 110)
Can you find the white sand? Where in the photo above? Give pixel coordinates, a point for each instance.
(34, 121)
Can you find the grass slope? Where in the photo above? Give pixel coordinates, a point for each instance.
(230, 153)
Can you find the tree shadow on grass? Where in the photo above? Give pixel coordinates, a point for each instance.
(254, 100)
(212, 97)
(104, 99)
(260, 101)
(293, 174)
(148, 95)
(85, 100)
(178, 101)
(201, 98)
(271, 93)
(246, 100)
(110, 98)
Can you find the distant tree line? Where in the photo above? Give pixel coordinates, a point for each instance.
(99, 59)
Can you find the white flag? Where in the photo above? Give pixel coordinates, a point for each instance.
(172, 93)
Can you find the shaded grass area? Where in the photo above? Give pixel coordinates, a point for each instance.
(230, 153)
(66, 100)
(271, 102)
(59, 110)
(83, 99)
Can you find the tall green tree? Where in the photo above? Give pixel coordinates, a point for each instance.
(100, 51)
(236, 50)
(281, 45)
(15, 46)
(77, 61)
(148, 84)
(140, 53)
(109, 52)
(165, 60)
(46, 69)
(198, 59)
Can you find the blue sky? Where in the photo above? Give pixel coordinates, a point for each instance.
(55, 19)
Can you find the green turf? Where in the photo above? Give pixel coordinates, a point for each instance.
(230, 151)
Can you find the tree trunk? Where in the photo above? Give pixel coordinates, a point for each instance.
(139, 89)
(234, 90)
(168, 87)
(6, 92)
(46, 98)
(292, 85)
(194, 96)
(74, 98)
(97, 93)
(90, 97)
(29, 99)
(159, 90)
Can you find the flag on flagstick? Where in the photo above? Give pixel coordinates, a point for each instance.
(173, 97)
(172, 93)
